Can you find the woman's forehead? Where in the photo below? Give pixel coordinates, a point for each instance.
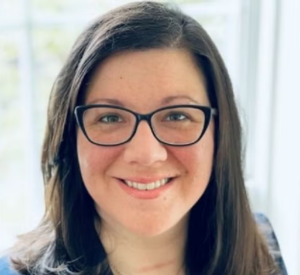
(157, 75)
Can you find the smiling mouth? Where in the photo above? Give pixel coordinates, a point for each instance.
(147, 186)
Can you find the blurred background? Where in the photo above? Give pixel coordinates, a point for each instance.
(260, 43)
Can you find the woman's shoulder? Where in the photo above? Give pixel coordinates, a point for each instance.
(268, 233)
(5, 267)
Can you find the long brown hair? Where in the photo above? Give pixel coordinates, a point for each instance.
(222, 234)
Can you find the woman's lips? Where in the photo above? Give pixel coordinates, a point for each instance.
(146, 179)
(147, 185)
(139, 190)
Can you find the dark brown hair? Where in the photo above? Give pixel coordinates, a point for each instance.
(222, 234)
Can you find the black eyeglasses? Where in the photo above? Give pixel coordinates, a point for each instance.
(177, 125)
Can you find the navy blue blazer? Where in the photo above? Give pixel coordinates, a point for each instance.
(261, 220)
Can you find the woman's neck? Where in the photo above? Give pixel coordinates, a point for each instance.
(129, 254)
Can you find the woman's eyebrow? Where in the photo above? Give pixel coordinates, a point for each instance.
(111, 101)
(169, 99)
(164, 101)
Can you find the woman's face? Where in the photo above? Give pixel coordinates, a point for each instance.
(144, 81)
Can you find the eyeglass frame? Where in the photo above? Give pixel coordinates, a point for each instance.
(208, 113)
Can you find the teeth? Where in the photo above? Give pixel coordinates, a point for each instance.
(151, 186)
(147, 186)
(141, 186)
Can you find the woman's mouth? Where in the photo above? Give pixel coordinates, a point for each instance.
(146, 189)
(147, 186)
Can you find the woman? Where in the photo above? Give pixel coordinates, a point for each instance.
(142, 157)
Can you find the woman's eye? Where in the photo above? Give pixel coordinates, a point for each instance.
(176, 117)
(110, 119)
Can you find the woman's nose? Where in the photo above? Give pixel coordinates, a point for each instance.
(144, 148)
